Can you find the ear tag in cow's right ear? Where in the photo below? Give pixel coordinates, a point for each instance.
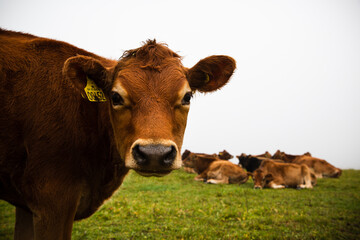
(93, 92)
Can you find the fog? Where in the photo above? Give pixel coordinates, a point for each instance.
(297, 83)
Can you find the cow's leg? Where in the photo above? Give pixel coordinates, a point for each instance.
(201, 177)
(276, 185)
(54, 210)
(319, 175)
(55, 222)
(306, 173)
(24, 227)
(189, 170)
(223, 180)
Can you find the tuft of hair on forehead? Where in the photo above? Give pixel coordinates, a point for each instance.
(151, 55)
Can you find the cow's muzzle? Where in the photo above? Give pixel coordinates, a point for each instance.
(337, 173)
(155, 159)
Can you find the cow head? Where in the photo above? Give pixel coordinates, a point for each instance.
(225, 155)
(267, 155)
(278, 155)
(327, 169)
(241, 159)
(189, 160)
(149, 92)
(185, 154)
(261, 178)
(199, 162)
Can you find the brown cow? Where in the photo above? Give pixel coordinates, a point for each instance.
(280, 175)
(288, 157)
(225, 155)
(198, 162)
(184, 156)
(223, 172)
(189, 159)
(320, 167)
(72, 124)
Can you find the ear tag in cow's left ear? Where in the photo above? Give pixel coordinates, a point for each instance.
(207, 79)
(93, 92)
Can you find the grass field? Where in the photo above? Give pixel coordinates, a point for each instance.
(177, 207)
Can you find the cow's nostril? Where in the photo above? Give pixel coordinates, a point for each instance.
(138, 155)
(154, 154)
(169, 157)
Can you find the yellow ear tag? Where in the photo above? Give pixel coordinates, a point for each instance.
(93, 92)
(207, 78)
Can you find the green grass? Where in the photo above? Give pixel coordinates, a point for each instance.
(177, 207)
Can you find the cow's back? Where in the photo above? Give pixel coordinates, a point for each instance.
(37, 104)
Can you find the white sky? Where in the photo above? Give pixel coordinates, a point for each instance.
(297, 83)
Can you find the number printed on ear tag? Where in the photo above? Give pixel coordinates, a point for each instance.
(93, 92)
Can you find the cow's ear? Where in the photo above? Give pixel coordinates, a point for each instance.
(211, 73)
(80, 68)
(268, 177)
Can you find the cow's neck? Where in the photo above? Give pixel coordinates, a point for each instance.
(103, 163)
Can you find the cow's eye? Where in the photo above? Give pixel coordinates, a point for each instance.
(116, 99)
(186, 99)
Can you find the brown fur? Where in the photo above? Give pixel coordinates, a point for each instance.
(185, 154)
(61, 156)
(223, 172)
(225, 155)
(199, 162)
(265, 155)
(320, 167)
(288, 157)
(280, 175)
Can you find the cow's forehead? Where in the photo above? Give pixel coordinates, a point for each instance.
(151, 70)
(168, 82)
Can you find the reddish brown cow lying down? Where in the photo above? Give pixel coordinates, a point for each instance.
(199, 162)
(72, 124)
(320, 167)
(185, 156)
(280, 175)
(223, 172)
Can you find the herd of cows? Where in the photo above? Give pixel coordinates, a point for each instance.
(73, 124)
(280, 170)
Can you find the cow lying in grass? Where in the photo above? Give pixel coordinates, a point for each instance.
(211, 169)
(320, 167)
(223, 172)
(281, 175)
(197, 162)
